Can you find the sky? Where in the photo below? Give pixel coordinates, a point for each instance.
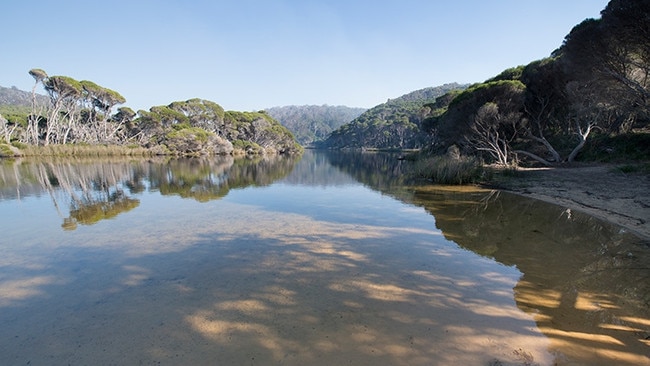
(248, 55)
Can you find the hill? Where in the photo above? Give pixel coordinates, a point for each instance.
(15, 97)
(395, 124)
(313, 123)
(14, 100)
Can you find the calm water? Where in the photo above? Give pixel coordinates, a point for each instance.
(328, 259)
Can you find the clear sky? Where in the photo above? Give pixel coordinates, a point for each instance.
(253, 54)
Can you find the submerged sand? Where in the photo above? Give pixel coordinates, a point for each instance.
(603, 191)
(301, 289)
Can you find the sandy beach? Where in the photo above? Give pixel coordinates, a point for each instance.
(602, 191)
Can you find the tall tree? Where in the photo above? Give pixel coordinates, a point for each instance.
(64, 93)
(32, 124)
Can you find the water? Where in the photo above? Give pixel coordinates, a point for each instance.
(321, 260)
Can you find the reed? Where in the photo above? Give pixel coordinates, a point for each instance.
(448, 170)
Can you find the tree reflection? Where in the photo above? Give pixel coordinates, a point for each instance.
(86, 191)
(585, 281)
(377, 170)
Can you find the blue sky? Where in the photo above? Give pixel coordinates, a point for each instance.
(253, 54)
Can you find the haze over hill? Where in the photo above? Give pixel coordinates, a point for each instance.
(313, 123)
(15, 97)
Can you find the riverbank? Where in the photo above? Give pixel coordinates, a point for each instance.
(620, 196)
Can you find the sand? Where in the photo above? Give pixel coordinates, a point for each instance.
(602, 191)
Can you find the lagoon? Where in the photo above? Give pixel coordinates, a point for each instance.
(329, 258)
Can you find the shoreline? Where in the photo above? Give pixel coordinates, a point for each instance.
(602, 191)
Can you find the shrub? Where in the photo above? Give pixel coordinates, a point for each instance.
(6, 151)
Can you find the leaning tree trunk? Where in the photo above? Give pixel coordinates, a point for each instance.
(582, 135)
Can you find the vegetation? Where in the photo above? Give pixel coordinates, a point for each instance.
(590, 98)
(445, 170)
(85, 150)
(396, 124)
(81, 116)
(451, 168)
(313, 123)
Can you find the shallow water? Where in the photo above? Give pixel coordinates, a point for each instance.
(327, 259)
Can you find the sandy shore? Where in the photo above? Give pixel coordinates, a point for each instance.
(602, 191)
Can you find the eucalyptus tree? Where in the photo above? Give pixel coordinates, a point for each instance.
(485, 118)
(123, 121)
(99, 102)
(611, 55)
(79, 111)
(32, 133)
(6, 130)
(64, 93)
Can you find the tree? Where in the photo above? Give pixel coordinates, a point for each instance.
(64, 93)
(100, 101)
(32, 134)
(483, 118)
(493, 132)
(6, 129)
(613, 55)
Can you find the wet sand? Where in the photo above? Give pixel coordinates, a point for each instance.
(602, 191)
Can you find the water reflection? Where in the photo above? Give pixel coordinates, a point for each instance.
(85, 191)
(586, 282)
(294, 262)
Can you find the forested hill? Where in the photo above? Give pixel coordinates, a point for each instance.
(590, 99)
(395, 124)
(313, 123)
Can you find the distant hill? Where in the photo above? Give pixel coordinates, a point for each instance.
(395, 124)
(313, 123)
(18, 98)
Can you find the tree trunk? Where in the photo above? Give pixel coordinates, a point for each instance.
(583, 139)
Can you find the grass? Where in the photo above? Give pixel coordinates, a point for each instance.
(86, 150)
(7, 151)
(446, 170)
(634, 168)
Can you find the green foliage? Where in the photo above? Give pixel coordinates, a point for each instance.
(168, 116)
(396, 124)
(79, 112)
(15, 115)
(618, 148)
(92, 213)
(85, 150)
(181, 126)
(196, 133)
(493, 88)
(19, 145)
(513, 73)
(63, 86)
(247, 147)
(456, 125)
(38, 74)
(189, 141)
(6, 151)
